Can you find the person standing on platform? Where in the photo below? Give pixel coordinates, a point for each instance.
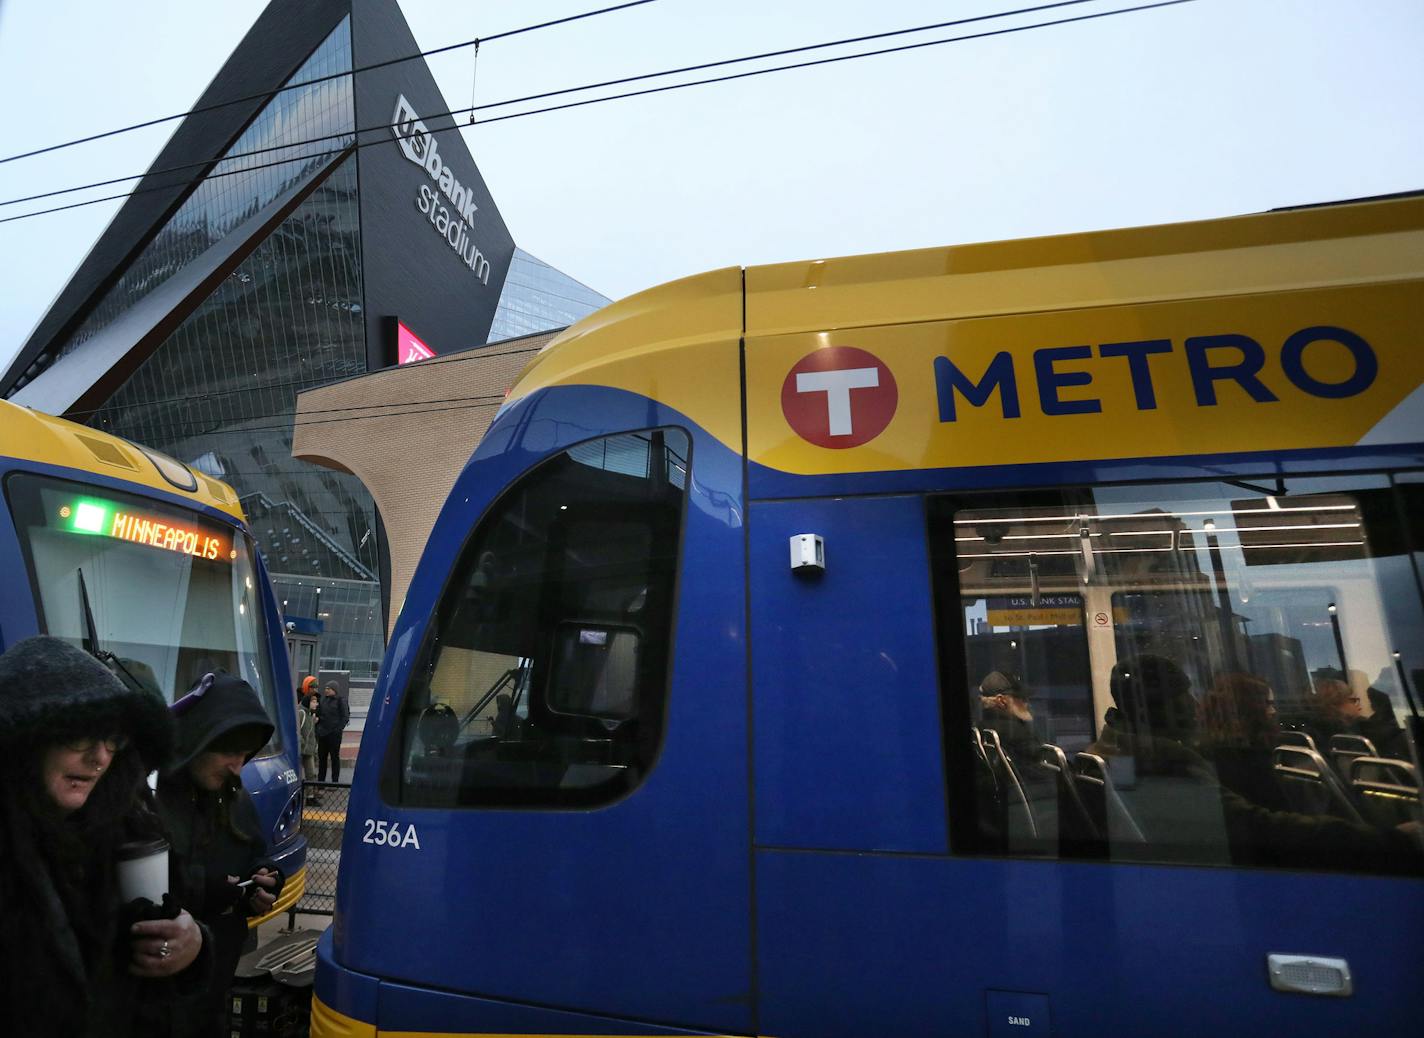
(75, 745)
(306, 731)
(218, 858)
(331, 719)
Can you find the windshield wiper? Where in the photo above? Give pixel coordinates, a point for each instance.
(91, 640)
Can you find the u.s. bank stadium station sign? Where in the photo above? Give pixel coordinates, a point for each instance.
(453, 222)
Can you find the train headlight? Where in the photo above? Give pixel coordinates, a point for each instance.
(289, 822)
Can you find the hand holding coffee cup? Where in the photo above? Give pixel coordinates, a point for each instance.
(163, 947)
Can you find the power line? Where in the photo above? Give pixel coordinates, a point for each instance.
(529, 97)
(209, 177)
(601, 100)
(268, 94)
(847, 57)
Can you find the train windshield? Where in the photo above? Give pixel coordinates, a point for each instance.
(170, 593)
(545, 682)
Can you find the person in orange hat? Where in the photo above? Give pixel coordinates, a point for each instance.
(306, 730)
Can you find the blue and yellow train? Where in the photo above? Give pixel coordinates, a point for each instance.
(1010, 639)
(131, 554)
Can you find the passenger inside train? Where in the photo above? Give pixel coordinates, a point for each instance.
(1198, 660)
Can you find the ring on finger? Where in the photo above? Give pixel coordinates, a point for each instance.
(163, 952)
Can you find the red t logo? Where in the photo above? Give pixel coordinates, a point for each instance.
(839, 397)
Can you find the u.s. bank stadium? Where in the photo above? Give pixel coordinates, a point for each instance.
(290, 240)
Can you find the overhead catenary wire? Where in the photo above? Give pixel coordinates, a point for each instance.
(474, 78)
(588, 101)
(682, 70)
(268, 94)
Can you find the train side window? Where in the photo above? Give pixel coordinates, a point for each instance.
(544, 679)
(1209, 673)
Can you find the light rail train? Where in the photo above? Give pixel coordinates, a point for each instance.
(1009, 639)
(147, 563)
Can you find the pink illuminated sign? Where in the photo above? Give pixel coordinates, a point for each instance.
(409, 348)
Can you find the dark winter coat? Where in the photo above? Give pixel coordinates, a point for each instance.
(214, 835)
(306, 731)
(64, 940)
(1016, 735)
(332, 714)
(1382, 728)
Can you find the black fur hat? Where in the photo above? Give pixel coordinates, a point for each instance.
(51, 692)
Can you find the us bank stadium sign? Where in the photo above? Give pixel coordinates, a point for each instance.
(451, 221)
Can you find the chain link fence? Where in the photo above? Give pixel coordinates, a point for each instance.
(323, 818)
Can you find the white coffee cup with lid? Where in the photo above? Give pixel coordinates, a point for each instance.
(143, 870)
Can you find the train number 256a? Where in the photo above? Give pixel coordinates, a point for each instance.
(388, 834)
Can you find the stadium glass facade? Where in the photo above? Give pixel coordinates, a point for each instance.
(311, 122)
(537, 297)
(220, 390)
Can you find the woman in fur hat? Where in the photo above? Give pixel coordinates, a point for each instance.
(75, 745)
(217, 838)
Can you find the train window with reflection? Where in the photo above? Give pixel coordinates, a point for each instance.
(544, 677)
(1201, 674)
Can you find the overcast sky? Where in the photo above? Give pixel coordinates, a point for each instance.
(1210, 108)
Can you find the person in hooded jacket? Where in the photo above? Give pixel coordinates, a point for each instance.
(75, 746)
(217, 838)
(332, 716)
(306, 727)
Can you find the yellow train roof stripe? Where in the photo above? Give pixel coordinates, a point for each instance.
(1095, 346)
(1058, 387)
(31, 436)
(1367, 243)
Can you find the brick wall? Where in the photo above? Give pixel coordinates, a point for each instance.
(407, 432)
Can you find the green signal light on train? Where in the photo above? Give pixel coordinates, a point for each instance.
(86, 516)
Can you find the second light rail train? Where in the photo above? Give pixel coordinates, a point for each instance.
(138, 558)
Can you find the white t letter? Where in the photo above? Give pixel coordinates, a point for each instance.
(837, 386)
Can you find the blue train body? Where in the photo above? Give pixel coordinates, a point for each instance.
(630, 769)
(786, 868)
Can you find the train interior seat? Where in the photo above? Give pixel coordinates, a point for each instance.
(981, 756)
(1051, 806)
(1075, 822)
(1104, 800)
(1387, 790)
(1345, 748)
(1310, 785)
(1020, 825)
(1296, 738)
